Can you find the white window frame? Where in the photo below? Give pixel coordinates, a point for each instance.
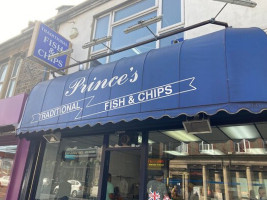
(182, 148)
(112, 24)
(242, 142)
(13, 78)
(174, 26)
(205, 147)
(2, 83)
(104, 50)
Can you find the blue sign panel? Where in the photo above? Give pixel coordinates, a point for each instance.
(46, 43)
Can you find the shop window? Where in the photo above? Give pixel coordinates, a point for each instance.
(114, 23)
(205, 166)
(7, 155)
(13, 78)
(3, 70)
(71, 168)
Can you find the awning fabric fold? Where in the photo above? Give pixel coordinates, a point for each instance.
(221, 71)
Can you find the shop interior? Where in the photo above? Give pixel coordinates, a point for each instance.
(226, 164)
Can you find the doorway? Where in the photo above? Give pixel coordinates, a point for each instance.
(124, 168)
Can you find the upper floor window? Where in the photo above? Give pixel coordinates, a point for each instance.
(13, 78)
(3, 70)
(115, 22)
(243, 146)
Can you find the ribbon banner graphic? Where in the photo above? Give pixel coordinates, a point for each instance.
(152, 94)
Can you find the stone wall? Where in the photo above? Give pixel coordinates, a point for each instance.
(30, 74)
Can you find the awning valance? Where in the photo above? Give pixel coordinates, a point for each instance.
(225, 70)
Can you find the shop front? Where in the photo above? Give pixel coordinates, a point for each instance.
(10, 113)
(186, 121)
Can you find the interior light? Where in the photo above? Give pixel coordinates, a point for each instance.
(247, 3)
(257, 151)
(241, 132)
(212, 152)
(96, 42)
(142, 24)
(150, 141)
(61, 53)
(177, 153)
(181, 135)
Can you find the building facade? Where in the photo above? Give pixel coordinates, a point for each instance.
(186, 116)
(18, 75)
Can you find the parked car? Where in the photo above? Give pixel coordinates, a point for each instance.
(76, 188)
(4, 181)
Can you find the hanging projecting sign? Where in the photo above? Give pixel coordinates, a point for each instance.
(46, 42)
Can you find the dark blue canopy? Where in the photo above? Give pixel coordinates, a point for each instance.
(225, 70)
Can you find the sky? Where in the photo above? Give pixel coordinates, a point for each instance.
(15, 14)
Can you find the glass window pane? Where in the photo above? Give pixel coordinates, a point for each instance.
(184, 167)
(120, 39)
(171, 11)
(171, 40)
(6, 161)
(125, 177)
(11, 88)
(16, 67)
(102, 26)
(98, 62)
(3, 70)
(71, 169)
(133, 9)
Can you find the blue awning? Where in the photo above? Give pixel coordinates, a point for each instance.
(225, 70)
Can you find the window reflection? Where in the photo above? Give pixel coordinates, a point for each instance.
(133, 9)
(120, 39)
(7, 154)
(172, 12)
(204, 166)
(73, 171)
(115, 22)
(101, 31)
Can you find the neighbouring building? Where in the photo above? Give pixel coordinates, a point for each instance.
(18, 75)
